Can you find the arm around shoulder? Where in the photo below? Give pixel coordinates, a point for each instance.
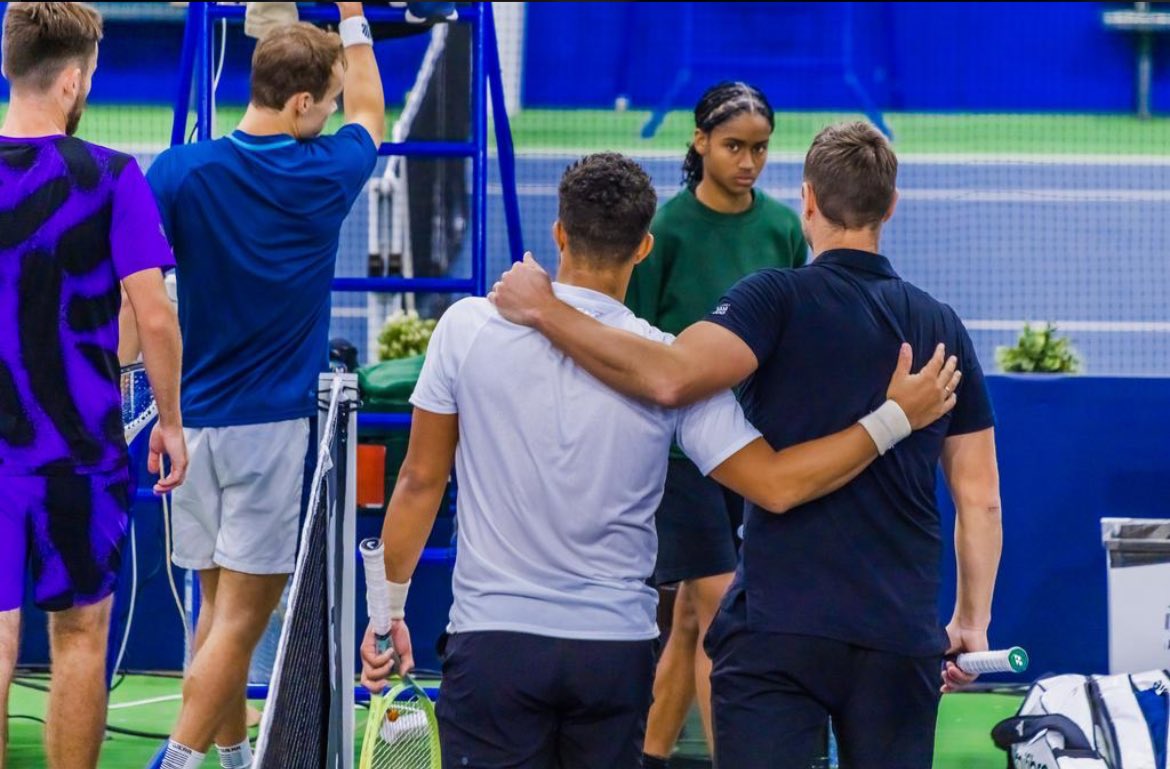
(704, 360)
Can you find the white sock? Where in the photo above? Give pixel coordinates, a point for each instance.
(180, 756)
(235, 756)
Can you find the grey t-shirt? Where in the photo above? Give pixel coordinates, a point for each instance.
(559, 476)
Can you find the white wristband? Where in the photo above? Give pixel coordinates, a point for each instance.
(355, 31)
(398, 591)
(887, 424)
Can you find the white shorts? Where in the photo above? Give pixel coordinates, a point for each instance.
(241, 503)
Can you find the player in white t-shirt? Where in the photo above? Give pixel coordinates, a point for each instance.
(552, 635)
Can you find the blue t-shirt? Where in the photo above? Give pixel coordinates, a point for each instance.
(860, 565)
(254, 222)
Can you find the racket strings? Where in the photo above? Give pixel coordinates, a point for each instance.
(401, 733)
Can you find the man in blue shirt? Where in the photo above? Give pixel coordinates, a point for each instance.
(833, 608)
(254, 219)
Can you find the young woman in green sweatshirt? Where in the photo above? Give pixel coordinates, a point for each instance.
(716, 230)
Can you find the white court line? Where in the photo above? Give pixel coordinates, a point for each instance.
(789, 157)
(350, 312)
(1036, 195)
(910, 158)
(149, 701)
(1031, 195)
(1090, 326)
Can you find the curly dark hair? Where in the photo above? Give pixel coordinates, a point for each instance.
(606, 204)
(718, 104)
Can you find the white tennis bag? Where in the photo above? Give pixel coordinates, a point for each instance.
(1090, 722)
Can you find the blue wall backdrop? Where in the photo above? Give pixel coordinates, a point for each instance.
(1030, 57)
(138, 63)
(909, 56)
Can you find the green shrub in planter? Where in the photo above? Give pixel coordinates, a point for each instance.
(1038, 351)
(404, 335)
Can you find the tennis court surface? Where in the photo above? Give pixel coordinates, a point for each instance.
(149, 704)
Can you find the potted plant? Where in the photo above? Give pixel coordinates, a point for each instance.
(1038, 351)
(404, 335)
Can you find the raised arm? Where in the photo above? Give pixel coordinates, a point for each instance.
(704, 360)
(362, 92)
(781, 480)
(971, 470)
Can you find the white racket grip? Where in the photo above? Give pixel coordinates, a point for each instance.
(377, 591)
(1013, 660)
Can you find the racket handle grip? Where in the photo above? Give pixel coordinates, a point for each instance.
(377, 592)
(1013, 660)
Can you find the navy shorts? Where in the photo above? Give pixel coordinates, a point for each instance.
(698, 524)
(772, 692)
(522, 701)
(69, 529)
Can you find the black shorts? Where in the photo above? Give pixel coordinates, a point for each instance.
(698, 526)
(772, 692)
(524, 701)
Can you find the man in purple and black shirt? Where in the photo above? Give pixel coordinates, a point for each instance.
(76, 221)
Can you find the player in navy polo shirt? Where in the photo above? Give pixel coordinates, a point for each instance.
(833, 608)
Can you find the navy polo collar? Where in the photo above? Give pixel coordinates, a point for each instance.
(864, 261)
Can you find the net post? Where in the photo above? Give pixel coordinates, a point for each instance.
(343, 571)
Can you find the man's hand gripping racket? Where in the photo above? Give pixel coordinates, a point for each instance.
(961, 668)
(401, 729)
(386, 647)
(140, 411)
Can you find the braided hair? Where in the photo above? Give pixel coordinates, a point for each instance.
(719, 104)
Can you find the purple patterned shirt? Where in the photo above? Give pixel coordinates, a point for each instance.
(75, 218)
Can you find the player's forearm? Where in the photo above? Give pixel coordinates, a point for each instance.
(410, 517)
(626, 362)
(781, 480)
(978, 542)
(815, 468)
(128, 347)
(162, 355)
(363, 98)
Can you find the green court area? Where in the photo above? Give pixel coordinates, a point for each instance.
(145, 127)
(149, 704)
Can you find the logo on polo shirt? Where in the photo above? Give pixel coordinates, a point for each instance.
(721, 309)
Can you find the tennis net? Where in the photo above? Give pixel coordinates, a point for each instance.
(308, 719)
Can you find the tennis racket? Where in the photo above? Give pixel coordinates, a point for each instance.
(401, 729)
(1013, 660)
(138, 406)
